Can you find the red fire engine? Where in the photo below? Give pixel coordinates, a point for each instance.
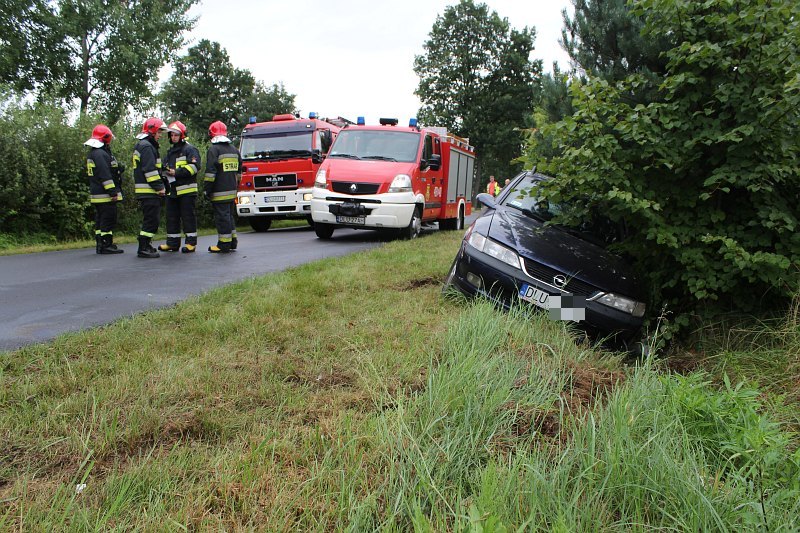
(280, 159)
(393, 178)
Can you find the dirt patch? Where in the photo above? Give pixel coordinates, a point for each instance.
(590, 385)
(422, 282)
(325, 380)
(684, 363)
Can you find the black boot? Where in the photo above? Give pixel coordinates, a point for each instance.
(107, 247)
(234, 243)
(220, 248)
(98, 241)
(112, 246)
(145, 250)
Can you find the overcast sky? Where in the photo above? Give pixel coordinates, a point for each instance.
(351, 57)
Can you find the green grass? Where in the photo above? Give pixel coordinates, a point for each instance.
(26, 244)
(347, 394)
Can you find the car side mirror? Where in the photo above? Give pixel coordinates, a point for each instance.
(435, 162)
(487, 199)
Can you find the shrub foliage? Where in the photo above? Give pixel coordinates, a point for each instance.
(705, 176)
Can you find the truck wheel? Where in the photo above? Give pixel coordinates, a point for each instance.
(460, 221)
(414, 226)
(260, 224)
(310, 220)
(324, 231)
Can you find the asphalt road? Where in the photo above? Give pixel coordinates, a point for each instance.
(45, 294)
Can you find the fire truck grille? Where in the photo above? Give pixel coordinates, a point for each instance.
(546, 274)
(349, 187)
(275, 181)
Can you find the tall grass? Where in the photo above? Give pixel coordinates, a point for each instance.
(348, 395)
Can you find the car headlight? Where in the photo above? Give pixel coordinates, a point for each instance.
(321, 180)
(493, 249)
(245, 200)
(626, 305)
(401, 183)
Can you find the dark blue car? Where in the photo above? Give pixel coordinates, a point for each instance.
(511, 256)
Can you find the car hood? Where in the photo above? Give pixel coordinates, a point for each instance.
(366, 171)
(565, 252)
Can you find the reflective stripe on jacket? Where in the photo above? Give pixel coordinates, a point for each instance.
(223, 166)
(101, 167)
(185, 159)
(147, 168)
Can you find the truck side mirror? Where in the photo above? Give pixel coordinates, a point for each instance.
(435, 162)
(316, 157)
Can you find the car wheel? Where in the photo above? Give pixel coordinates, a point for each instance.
(324, 231)
(414, 226)
(260, 224)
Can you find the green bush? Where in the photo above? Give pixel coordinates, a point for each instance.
(706, 176)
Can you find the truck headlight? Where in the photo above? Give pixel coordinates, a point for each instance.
(307, 197)
(401, 183)
(245, 200)
(626, 305)
(493, 249)
(321, 180)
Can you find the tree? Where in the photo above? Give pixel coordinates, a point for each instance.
(265, 102)
(206, 87)
(24, 35)
(605, 38)
(476, 79)
(705, 176)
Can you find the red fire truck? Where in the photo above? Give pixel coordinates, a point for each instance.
(280, 159)
(393, 178)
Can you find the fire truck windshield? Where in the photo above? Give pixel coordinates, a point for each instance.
(382, 145)
(280, 145)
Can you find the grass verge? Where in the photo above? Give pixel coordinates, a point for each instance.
(348, 395)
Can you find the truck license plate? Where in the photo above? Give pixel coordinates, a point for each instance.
(351, 220)
(535, 296)
(273, 199)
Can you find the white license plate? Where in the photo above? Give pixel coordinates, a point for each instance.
(351, 220)
(535, 296)
(273, 199)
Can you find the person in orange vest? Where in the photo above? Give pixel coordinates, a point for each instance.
(493, 187)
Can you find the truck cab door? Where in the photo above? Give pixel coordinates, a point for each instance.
(431, 175)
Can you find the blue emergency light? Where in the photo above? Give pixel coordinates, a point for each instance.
(313, 114)
(253, 120)
(412, 123)
(360, 121)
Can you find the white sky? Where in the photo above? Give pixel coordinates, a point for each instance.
(351, 57)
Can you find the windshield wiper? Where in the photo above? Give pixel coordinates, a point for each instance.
(379, 157)
(346, 156)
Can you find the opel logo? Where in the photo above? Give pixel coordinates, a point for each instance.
(353, 188)
(560, 281)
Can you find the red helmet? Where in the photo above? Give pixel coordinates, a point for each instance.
(217, 128)
(152, 125)
(177, 127)
(102, 133)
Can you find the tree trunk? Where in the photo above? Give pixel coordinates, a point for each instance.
(84, 96)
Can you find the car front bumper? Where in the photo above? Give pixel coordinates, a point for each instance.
(476, 274)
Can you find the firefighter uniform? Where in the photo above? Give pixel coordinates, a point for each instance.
(105, 189)
(184, 159)
(223, 165)
(149, 188)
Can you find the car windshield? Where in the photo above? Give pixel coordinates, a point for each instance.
(526, 196)
(376, 145)
(279, 145)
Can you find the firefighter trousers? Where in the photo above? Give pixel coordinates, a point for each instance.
(181, 212)
(223, 219)
(105, 218)
(151, 215)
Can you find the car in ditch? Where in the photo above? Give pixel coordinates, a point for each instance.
(513, 256)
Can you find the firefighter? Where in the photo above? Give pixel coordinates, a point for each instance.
(223, 169)
(181, 166)
(149, 185)
(105, 188)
